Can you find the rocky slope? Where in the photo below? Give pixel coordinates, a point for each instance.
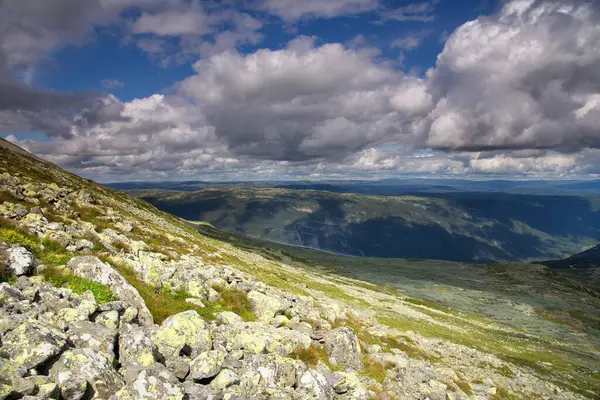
(106, 297)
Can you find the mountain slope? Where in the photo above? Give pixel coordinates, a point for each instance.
(586, 259)
(467, 227)
(278, 322)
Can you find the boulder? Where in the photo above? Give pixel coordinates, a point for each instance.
(86, 334)
(20, 261)
(266, 306)
(92, 366)
(152, 383)
(343, 347)
(135, 346)
(185, 333)
(92, 268)
(225, 379)
(207, 365)
(32, 343)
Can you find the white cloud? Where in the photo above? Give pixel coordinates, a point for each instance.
(293, 10)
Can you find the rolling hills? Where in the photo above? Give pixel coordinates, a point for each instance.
(457, 226)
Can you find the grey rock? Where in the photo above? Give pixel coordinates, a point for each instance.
(343, 347)
(92, 268)
(20, 261)
(207, 365)
(135, 346)
(153, 383)
(183, 333)
(86, 334)
(33, 343)
(92, 366)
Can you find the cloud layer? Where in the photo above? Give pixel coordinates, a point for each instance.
(513, 93)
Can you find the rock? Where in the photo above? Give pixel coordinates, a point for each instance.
(110, 319)
(280, 320)
(195, 301)
(225, 379)
(198, 392)
(86, 334)
(314, 383)
(83, 244)
(20, 261)
(265, 306)
(32, 343)
(207, 365)
(90, 365)
(9, 294)
(152, 383)
(135, 346)
(71, 385)
(343, 348)
(184, 332)
(48, 391)
(228, 317)
(5, 391)
(92, 268)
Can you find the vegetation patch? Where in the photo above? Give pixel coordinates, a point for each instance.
(311, 355)
(237, 301)
(60, 277)
(375, 369)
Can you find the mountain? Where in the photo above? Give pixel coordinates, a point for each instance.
(586, 259)
(458, 226)
(104, 295)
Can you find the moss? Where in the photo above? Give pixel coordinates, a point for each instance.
(51, 253)
(63, 278)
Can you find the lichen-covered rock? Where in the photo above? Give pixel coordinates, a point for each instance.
(266, 307)
(185, 331)
(228, 318)
(194, 391)
(225, 379)
(10, 294)
(154, 383)
(33, 343)
(86, 334)
(71, 385)
(207, 365)
(110, 319)
(135, 346)
(92, 268)
(343, 347)
(20, 261)
(314, 383)
(93, 366)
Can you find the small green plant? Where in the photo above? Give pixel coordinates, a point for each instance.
(63, 278)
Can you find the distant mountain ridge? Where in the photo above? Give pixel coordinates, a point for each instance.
(456, 226)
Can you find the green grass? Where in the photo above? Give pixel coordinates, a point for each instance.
(237, 301)
(311, 355)
(375, 369)
(63, 278)
(51, 253)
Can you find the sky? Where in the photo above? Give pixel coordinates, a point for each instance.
(126, 90)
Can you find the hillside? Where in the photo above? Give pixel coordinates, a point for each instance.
(461, 226)
(105, 295)
(586, 259)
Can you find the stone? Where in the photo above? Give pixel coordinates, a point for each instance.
(185, 332)
(86, 334)
(228, 317)
(92, 366)
(71, 385)
(225, 379)
(199, 392)
(110, 319)
(135, 346)
(32, 343)
(20, 261)
(92, 268)
(343, 348)
(207, 365)
(9, 294)
(48, 391)
(152, 383)
(265, 306)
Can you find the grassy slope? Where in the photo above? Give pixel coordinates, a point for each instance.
(460, 226)
(437, 300)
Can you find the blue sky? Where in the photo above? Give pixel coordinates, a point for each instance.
(281, 89)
